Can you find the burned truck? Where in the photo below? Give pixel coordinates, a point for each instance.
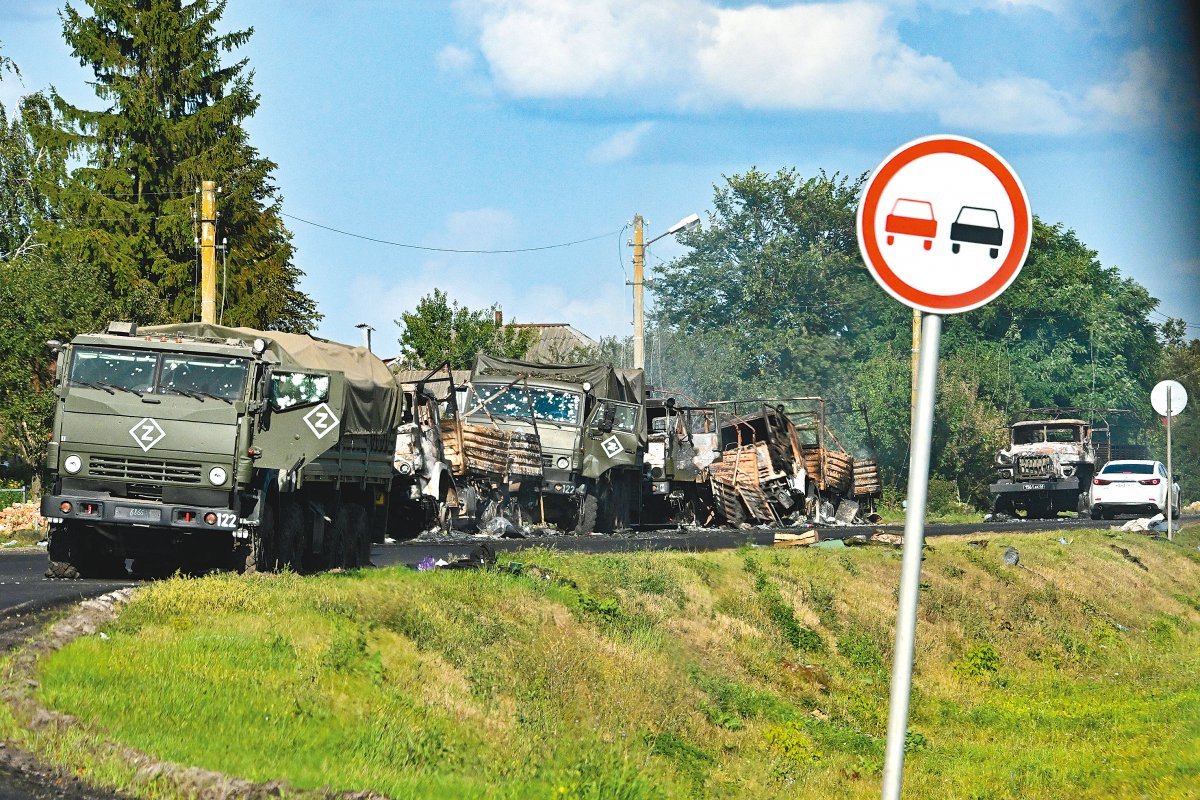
(423, 495)
(1045, 469)
(682, 443)
(780, 462)
(199, 446)
(550, 444)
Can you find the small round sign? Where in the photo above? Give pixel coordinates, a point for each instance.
(1158, 398)
(944, 224)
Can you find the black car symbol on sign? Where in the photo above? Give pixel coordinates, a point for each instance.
(977, 226)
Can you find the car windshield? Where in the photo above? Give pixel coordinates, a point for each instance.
(162, 373)
(551, 405)
(917, 209)
(982, 217)
(1119, 468)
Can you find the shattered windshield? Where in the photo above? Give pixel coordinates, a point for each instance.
(192, 375)
(214, 376)
(552, 405)
(122, 369)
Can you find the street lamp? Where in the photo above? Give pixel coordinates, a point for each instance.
(366, 334)
(690, 222)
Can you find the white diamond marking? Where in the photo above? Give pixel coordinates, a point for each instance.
(321, 420)
(147, 433)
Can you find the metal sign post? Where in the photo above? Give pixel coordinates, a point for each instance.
(910, 569)
(1169, 398)
(944, 226)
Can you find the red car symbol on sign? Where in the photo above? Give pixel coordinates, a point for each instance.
(911, 218)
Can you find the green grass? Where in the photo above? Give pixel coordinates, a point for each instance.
(756, 673)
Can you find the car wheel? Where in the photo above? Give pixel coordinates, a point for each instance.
(891, 239)
(994, 252)
(1096, 514)
(928, 244)
(954, 248)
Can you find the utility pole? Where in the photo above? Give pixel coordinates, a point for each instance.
(208, 252)
(639, 317)
(916, 355)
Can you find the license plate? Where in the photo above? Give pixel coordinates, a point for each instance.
(138, 513)
(1029, 487)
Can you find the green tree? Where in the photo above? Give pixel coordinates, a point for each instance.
(440, 331)
(173, 116)
(1181, 363)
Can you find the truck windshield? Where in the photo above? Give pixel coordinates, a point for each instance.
(552, 405)
(1032, 434)
(162, 373)
(215, 376)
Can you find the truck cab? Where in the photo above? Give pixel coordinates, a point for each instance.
(1045, 468)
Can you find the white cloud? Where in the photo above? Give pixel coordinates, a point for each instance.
(480, 229)
(1139, 98)
(454, 59)
(696, 56)
(621, 145)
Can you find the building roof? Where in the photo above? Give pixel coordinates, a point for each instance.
(557, 342)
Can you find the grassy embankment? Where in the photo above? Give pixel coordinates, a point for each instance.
(757, 673)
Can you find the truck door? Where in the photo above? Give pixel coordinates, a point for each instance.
(612, 437)
(302, 417)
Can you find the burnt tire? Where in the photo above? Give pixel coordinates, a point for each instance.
(585, 515)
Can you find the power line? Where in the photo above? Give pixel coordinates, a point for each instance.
(446, 249)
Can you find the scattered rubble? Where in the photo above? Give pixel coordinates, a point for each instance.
(1130, 557)
(22, 517)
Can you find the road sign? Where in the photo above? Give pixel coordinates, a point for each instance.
(944, 224)
(1158, 398)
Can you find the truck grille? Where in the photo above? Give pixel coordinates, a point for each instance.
(144, 469)
(1033, 467)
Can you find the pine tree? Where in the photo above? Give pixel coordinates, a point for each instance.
(173, 117)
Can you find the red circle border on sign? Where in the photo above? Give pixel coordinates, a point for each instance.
(1013, 261)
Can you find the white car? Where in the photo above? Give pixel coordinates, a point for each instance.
(1132, 487)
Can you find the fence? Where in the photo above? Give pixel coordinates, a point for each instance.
(10, 497)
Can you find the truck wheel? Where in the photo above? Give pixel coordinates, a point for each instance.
(260, 555)
(73, 554)
(585, 516)
(351, 543)
(291, 533)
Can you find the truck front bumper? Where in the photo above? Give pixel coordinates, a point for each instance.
(122, 512)
(1029, 486)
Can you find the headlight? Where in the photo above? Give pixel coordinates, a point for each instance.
(73, 464)
(563, 462)
(216, 476)
(405, 468)
(259, 346)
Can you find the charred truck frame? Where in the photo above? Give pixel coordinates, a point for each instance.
(558, 444)
(198, 445)
(682, 443)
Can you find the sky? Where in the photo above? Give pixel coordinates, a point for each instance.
(520, 124)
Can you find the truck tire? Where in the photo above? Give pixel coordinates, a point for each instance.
(350, 544)
(261, 553)
(292, 528)
(585, 516)
(73, 555)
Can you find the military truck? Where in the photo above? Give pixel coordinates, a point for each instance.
(1051, 458)
(559, 444)
(682, 443)
(198, 445)
(1045, 469)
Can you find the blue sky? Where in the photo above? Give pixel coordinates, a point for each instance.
(506, 124)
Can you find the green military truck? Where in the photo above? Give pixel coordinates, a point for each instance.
(559, 444)
(199, 446)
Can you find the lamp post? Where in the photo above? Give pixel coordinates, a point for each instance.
(366, 334)
(690, 222)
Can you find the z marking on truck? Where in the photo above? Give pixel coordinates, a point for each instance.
(612, 445)
(321, 420)
(147, 433)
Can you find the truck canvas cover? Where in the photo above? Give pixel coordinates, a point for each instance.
(626, 385)
(373, 397)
